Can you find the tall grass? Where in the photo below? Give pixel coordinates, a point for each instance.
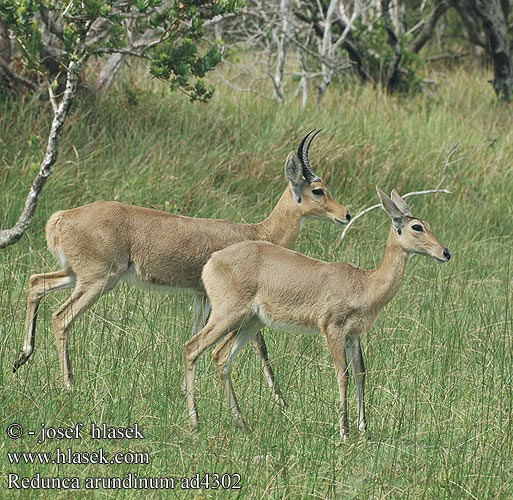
(439, 357)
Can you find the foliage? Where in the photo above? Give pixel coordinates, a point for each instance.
(177, 62)
(20, 17)
(80, 30)
(178, 58)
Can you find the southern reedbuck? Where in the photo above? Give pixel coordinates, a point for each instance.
(252, 284)
(104, 242)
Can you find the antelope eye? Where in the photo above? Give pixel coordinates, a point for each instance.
(417, 227)
(318, 191)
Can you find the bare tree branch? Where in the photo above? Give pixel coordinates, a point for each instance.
(437, 190)
(427, 29)
(116, 59)
(53, 102)
(120, 50)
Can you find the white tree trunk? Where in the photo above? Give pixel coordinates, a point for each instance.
(9, 236)
(327, 49)
(281, 47)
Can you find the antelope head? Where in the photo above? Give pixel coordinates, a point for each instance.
(308, 189)
(413, 235)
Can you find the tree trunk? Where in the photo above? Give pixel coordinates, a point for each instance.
(494, 19)
(392, 77)
(472, 21)
(326, 50)
(12, 235)
(281, 37)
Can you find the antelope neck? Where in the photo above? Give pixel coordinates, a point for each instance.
(387, 278)
(283, 225)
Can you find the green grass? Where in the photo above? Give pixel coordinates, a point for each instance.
(439, 386)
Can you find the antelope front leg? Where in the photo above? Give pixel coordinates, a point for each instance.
(355, 355)
(336, 340)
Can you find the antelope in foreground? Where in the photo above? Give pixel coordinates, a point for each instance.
(252, 284)
(104, 242)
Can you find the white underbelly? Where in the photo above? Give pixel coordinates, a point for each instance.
(265, 318)
(131, 278)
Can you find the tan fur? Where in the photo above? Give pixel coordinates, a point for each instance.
(103, 242)
(251, 284)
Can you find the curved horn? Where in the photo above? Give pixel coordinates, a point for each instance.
(302, 153)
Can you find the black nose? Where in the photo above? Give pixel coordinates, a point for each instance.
(447, 254)
(348, 216)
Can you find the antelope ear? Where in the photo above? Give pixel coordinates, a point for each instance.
(294, 173)
(401, 204)
(391, 209)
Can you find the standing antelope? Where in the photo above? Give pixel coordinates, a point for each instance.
(104, 242)
(252, 284)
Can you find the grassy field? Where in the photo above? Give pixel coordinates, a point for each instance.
(440, 375)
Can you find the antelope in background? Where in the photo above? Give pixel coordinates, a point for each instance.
(252, 284)
(101, 243)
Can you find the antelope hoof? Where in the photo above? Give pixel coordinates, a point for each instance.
(20, 361)
(194, 425)
(240, 423)
(280, 401)
(68, 385)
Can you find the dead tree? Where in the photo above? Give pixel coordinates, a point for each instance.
(494, 16)
(486, 22)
